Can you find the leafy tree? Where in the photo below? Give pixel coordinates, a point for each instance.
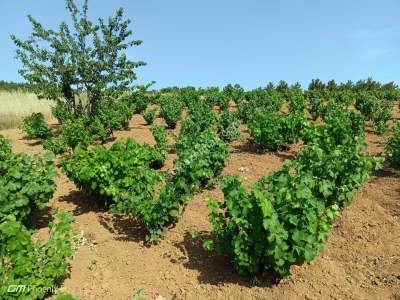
(81, 65)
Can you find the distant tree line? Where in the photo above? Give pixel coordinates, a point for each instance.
(10, 86)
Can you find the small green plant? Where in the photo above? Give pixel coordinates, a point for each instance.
(56, 145)
(121, 176)
(5, 148)
(381, 114)
(161, 148)
(296, 101)
(76, 131)
(150, 115)
(26, 184)
(228, 124)
(62, 112)
(140, 104)
(27, 262)
(392, 148)
(171, 109)
(274, 131)
(65, 296)
(317, 107)
(36, 127)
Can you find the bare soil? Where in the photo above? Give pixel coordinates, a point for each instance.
(361, 259)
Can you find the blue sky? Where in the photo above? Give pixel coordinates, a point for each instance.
(215, 42)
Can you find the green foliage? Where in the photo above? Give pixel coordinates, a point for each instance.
(80, 65)
(75, 132)
(56, 145)
(381, 115)
(36, 127)
(379, 111)
(200, 160)
(27, 263)
(234, 92)
(228, 124)
(274, 131)
(392, 148)
(285, 218)
(171, 109)
(62, 112)
(271, 228)
(296, 101)
(120, 174)
(150, 115)
(26, 183)
(266, 100)
(317, 107)
(114, 115)
(202, 115)
(65, 296)
(141, 104)
(161, 148)
(5, 148)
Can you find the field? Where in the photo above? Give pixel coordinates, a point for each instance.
(360, 261)
(15, 105)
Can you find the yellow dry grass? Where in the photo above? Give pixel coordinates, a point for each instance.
(14, 106)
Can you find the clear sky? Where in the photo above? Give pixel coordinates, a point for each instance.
(215, 42)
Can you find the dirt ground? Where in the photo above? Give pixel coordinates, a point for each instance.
(361, 259)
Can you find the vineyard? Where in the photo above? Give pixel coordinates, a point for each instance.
(194, 193)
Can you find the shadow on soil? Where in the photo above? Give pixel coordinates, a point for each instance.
(387, 171)
(40, 219)
(124, 228)
(214, 269)
(83, 203)
(247, 147)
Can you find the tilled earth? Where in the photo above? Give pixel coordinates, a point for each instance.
(361, 259)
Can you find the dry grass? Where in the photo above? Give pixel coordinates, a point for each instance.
(14, 106)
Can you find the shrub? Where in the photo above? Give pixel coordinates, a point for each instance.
(62, 112)
(262, 230)
(317, 107)
(228, 124)
(36, 127)
(121, 175)
(26, 184)
(274, 131)
(5, 148)
(114, 115)
(392, 148)
(150, 115)
(200, 160)
(76, 131)
(285, 218)
(30, 263)
(380, 115)
(378, 111)
(171, 109)
(161, 148)
(56, 145)
(296, 101)
(259, 99)
(140, 104)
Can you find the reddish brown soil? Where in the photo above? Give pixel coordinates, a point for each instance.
(361, 259)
